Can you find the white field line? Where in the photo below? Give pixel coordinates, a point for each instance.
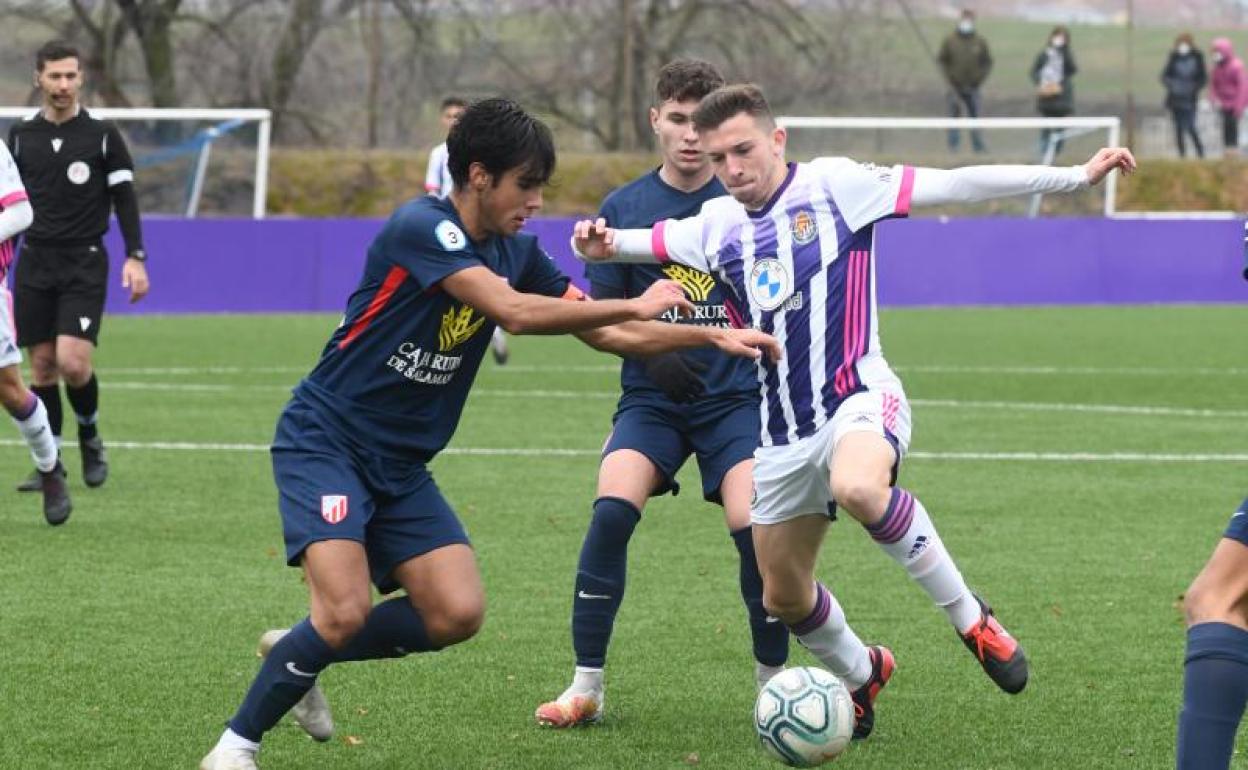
(1022, 406)
(1143, 371)
(1114, 457)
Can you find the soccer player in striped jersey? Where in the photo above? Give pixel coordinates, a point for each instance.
(26, 408)
(438, 183)
(352, 446)
(795, 241)
(693, 403)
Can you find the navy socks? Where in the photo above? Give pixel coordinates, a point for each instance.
(1215, 688)
(771, 639)
(600, 576)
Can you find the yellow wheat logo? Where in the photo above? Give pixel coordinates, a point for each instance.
(457, 327)
(696, 283)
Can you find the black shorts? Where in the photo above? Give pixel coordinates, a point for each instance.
(59, 290)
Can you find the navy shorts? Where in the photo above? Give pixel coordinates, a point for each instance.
(1238, 528)
(721, 433)
(329, 490)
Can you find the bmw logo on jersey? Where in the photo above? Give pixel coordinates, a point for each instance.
(770, 284)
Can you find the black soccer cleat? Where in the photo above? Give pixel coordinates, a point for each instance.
(32, 483)
(997, 651)
(882, 667)
(94, 461)
(56, 503)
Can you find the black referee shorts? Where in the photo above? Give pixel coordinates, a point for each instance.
(59, 290)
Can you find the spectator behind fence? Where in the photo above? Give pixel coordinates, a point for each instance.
(966, 62)
(1051, 72)
(1229, 91)
(1183, 78)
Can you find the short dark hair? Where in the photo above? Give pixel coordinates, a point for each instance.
(55, 50)
(727, 102)
(452, 101)
(501, 136)
(684, 79)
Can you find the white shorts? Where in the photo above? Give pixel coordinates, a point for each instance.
(10, 355)
(794, 480)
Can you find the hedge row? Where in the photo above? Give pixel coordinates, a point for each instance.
(322, 183)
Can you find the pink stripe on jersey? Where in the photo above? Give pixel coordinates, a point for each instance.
(6, 259)
(17, 196)
(855, 317)
(734, 317)
(657, 244)
(904, 194)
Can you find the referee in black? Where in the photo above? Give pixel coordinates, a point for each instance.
(77, 170)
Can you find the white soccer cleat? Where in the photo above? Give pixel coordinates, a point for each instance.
(229, 759)
(763, 674)
(312, 712)
(571, 709)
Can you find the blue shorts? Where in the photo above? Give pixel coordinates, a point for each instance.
(721, 433)
(1238, 528)
(329, 490)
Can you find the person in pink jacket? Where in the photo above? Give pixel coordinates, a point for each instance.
(1229, 90)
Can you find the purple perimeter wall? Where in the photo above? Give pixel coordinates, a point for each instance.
(298, 265)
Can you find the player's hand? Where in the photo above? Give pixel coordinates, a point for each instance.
(661, 297)
(749, 343)
(1106, 160)
(679, 376)
(134, 278)
(593, 240)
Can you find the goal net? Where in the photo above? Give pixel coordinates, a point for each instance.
(190, 162)
(949, 142)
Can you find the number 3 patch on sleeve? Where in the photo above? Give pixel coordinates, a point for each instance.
(450, 236)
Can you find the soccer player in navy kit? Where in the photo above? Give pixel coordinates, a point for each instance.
(680, 404)
(351, 447)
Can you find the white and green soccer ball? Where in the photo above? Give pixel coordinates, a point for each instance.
(804, 716)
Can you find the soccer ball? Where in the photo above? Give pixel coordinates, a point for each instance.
(804, 716)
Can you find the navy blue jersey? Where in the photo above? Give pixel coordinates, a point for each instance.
(641, 203)
(395, 374)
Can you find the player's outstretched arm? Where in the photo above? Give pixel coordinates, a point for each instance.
(594, 241)
(653, 338)
(975, 184)
(521, 313)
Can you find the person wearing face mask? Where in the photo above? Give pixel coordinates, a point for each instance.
(1229, 91)
(1183, 78)
(966, 61)
(1052, 72)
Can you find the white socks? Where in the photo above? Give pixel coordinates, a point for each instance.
(38, 435)
(830, 639)
(232, 740)
(907, 534)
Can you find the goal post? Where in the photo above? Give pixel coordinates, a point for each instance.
(1061, 130)
(191, 144)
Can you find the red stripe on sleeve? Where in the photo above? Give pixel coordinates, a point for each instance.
(395, 277)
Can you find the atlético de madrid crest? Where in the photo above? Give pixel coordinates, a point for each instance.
(333, 508)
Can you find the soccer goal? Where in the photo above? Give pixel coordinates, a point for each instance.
(191, 161)
(949, 142)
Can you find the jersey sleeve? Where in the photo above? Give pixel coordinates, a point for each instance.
(542, 276)
(865, 193)
(683, 241)
(11, 188)
(428, 248)
(117, 162)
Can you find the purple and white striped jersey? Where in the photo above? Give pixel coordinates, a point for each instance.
(802, 269)
(12, 191)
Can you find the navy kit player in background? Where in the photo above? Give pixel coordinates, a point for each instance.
(700, 402)
(796, 241)
(77, 170)
(1215, 686)
(26, 409)
(350, 453)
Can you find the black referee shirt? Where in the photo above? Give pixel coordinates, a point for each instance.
(71, 171)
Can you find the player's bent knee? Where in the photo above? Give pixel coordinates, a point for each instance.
(790, 606)
(456, 622)
(338, 623)
(864, 500)
(75, 371)
(1207, 602)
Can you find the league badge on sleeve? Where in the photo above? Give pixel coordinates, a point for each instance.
(450, 236)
